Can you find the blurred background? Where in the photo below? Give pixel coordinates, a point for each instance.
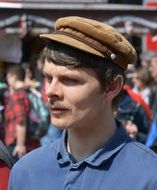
(21, 22)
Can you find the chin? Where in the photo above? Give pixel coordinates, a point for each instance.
(60, 124)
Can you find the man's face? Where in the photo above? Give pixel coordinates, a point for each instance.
(74, 96)
(153, 67)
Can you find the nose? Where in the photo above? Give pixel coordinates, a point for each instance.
(54, 89)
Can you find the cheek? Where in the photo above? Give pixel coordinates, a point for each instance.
(86, 102)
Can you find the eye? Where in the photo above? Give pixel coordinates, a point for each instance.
(70, 81)
(48, 79)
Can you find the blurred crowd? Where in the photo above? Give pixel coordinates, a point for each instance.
(137, 109)
(24, 117)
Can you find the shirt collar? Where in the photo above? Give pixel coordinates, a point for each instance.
(62, 152)
(113, 146)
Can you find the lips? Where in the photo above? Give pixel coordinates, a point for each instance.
(58, 110)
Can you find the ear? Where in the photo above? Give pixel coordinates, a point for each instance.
(115, 87)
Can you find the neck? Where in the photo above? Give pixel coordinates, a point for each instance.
(82, 143)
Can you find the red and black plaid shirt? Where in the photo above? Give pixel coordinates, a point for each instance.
(16, 112)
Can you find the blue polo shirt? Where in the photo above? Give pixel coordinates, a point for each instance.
(121, 164)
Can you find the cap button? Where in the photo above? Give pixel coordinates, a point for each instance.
(113, 56)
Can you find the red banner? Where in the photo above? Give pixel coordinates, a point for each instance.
(151, 41)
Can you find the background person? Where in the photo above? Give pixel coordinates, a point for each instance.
(153, 71)
(17, 107)
(152, 136)
(134, 114)
(16, 111)
(143, 82)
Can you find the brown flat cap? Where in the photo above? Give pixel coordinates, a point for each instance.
(94, 37)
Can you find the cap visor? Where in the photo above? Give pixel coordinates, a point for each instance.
(71, 42)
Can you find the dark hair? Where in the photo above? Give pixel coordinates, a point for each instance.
(61, 54)
(18, 71)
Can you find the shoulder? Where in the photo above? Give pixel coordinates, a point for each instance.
(37, 158)
(33, 166)
(142, 148)
(140, 154)
(36, 166)
(141, 162)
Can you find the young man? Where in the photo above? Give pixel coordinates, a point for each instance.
(84, 66)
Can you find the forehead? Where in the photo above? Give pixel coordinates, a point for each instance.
(50, 68)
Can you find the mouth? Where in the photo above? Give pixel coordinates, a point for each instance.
(58, 110)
